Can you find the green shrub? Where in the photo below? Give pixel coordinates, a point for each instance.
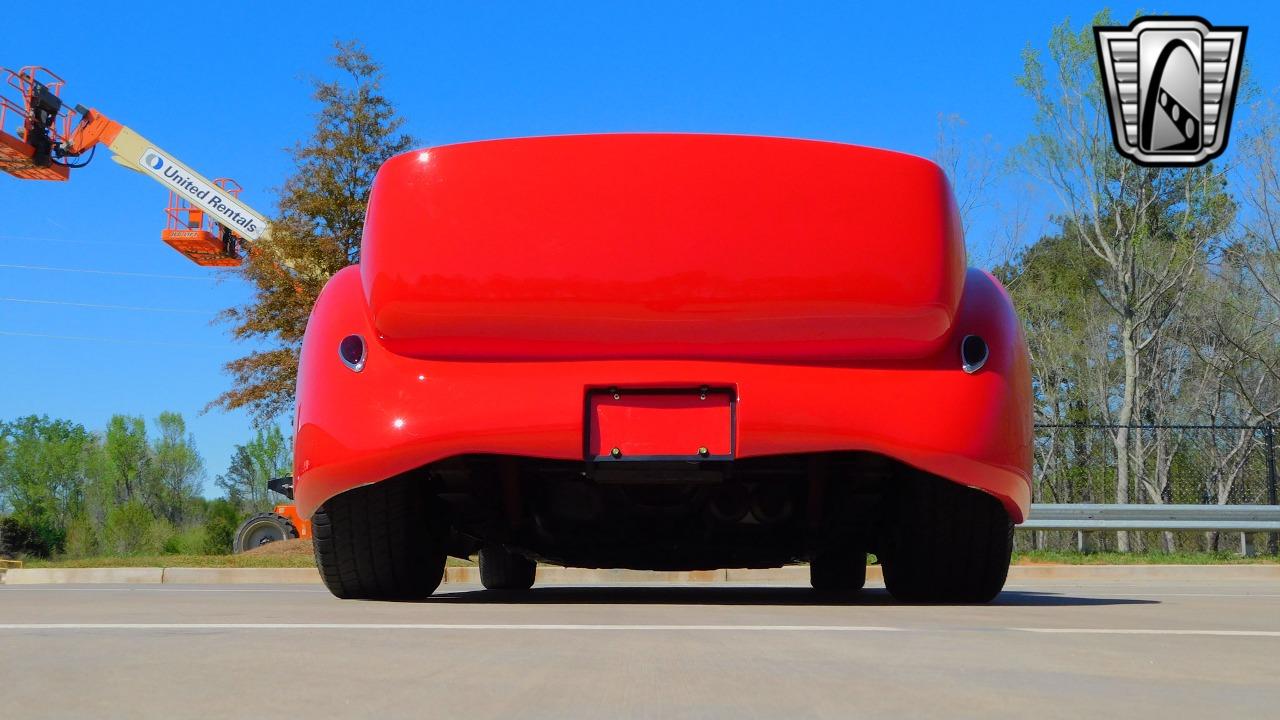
(22, 538)
(131, 529)
(220, 524)
(82, 538)
(186, 541)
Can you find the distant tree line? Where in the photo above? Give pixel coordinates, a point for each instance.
(129, 489)
(1154, 300)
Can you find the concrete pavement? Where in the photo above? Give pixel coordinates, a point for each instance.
(1045, 649)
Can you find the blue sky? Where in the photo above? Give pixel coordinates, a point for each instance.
(223, 87)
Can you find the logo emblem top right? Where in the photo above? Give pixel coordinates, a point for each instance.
(1170, 84)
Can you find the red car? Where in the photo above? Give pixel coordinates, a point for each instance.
(663, 352)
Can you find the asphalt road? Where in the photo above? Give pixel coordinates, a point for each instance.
(1049, 650)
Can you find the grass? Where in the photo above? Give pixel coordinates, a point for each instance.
(1055, 557)
(297, 553)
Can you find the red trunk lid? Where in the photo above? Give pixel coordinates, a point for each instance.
(662, 246)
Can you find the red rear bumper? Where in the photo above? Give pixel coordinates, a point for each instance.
(400, 413)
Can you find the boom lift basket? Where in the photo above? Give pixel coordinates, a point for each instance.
(191, 231)
(39, 123)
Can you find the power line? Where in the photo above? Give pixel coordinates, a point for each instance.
(105, 243)
(143, 308)
(107, 272)
(102, 306)
(117, 341)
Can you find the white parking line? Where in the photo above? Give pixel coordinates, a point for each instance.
(444, 626)
(1085, 591)
(1151, 631)
(628, 628)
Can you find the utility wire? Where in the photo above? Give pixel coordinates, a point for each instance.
(32, 301)
(117, 341)
(104, 243)
(107, 272)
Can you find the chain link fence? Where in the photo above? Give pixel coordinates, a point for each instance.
(1182, 464)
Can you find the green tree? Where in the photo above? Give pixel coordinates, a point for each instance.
(43, 475)
(122, 466)
(316, 232)
(268, 455)
(175, 471)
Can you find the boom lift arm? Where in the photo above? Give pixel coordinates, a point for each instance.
(132, 150)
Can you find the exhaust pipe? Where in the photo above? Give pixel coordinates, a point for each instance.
(771, 502)
(730, 503)
(973, 353)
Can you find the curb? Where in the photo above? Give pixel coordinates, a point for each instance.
(58, 576)
(155, 576)
(549, 575)
(240, 576)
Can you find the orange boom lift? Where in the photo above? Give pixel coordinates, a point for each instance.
(205, 219)
(208, 223)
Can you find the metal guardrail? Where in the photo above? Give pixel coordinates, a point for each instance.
(1230, 518)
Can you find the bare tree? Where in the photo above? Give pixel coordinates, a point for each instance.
(1255, 291)
(1150, 228)
(971, 166)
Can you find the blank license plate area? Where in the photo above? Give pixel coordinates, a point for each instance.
(652, 425)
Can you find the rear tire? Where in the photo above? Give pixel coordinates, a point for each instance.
(501, 569)
(261, 529)
(838, 570)
(945, 543)
(378, 543)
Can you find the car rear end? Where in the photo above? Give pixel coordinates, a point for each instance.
(663, 352)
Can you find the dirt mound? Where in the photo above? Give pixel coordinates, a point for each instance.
(296, 547)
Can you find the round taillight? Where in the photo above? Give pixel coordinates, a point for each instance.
(352, 352)
(973, 353)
